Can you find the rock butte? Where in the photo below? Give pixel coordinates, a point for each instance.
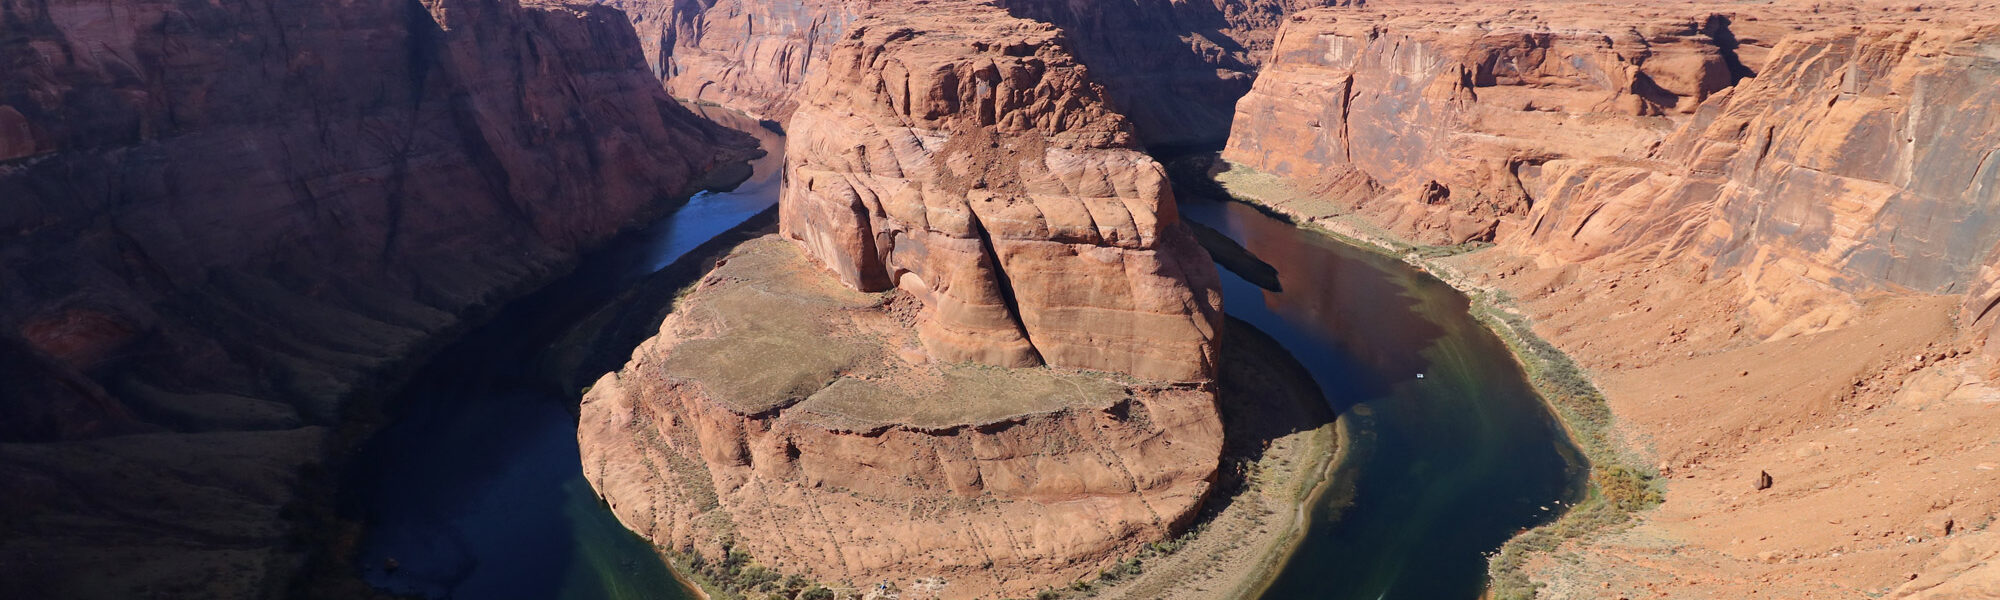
(780, 414)
(976, 167)
(957, 195)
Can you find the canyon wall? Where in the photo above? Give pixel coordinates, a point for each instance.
(979, 169)
(1598, 136)
(1763, 229)
(1175, 68)
(222, 221)
(749, 55)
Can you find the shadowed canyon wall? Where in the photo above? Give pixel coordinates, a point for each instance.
(223, 220)
(1174, 68)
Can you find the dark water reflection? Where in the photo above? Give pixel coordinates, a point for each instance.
(1450, 451)
(477, 490)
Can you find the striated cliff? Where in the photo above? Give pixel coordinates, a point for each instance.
(1761, 227)
(978, 169)
(223, 221)
(958, 198)
(1175, 68)
(1423, 122)
(1589, 135)
(782, 415)
(749, 55)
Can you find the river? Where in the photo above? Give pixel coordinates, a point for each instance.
(1449, 452)
(477, 489)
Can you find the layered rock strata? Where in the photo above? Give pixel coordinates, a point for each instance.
(1424, 122)
(1176, 68)
(749, 55)
(1589, 135)
(1762, 228)
(977, 168)
(781, 414)
(224, 220)
(981, 350)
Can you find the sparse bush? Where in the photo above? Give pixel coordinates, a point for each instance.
(1617, 488)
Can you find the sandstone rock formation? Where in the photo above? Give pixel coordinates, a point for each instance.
(1598, 132)
(749, 55)
(977, 168)
(1175, 68)
(1761, 227)
(224, 220)
(781, 414)
(958, 198)
(1436, 118)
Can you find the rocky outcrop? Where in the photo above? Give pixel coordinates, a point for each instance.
(977, 168)
(782, 415)
(1175, 68)
(1587, 136)
(1762, 229)
(224, 220)
(749, 55)
(975, 201)
(1422, 122)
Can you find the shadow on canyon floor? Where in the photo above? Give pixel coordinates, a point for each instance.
(1265, 394)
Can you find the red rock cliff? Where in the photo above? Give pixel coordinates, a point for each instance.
(749, 55)
(1176, 68)
(977, 168)
(221, 220)
(1763, 229)
(1588, 135)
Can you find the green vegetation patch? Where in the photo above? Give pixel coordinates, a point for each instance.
(1619, 486)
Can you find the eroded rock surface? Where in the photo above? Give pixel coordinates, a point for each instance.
(749, 55)
(1762, 228)
(976, 167)
(981, 348)
(1176, 68)
(224, 220)
(783, 414)
(1582, 131)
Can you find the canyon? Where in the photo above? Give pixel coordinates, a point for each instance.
(224, 223)
(978, 350)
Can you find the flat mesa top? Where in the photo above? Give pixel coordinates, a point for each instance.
(769, 331)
